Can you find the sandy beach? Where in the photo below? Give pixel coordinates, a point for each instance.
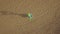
(45, 20)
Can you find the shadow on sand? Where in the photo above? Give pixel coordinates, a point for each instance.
(12, 13)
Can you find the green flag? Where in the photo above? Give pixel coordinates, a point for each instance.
(30, 16)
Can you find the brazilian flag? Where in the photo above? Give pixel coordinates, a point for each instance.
(29, 16)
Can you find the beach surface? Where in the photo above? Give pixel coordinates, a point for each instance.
(45, 17)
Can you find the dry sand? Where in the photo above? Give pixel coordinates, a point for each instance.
(46, 17)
